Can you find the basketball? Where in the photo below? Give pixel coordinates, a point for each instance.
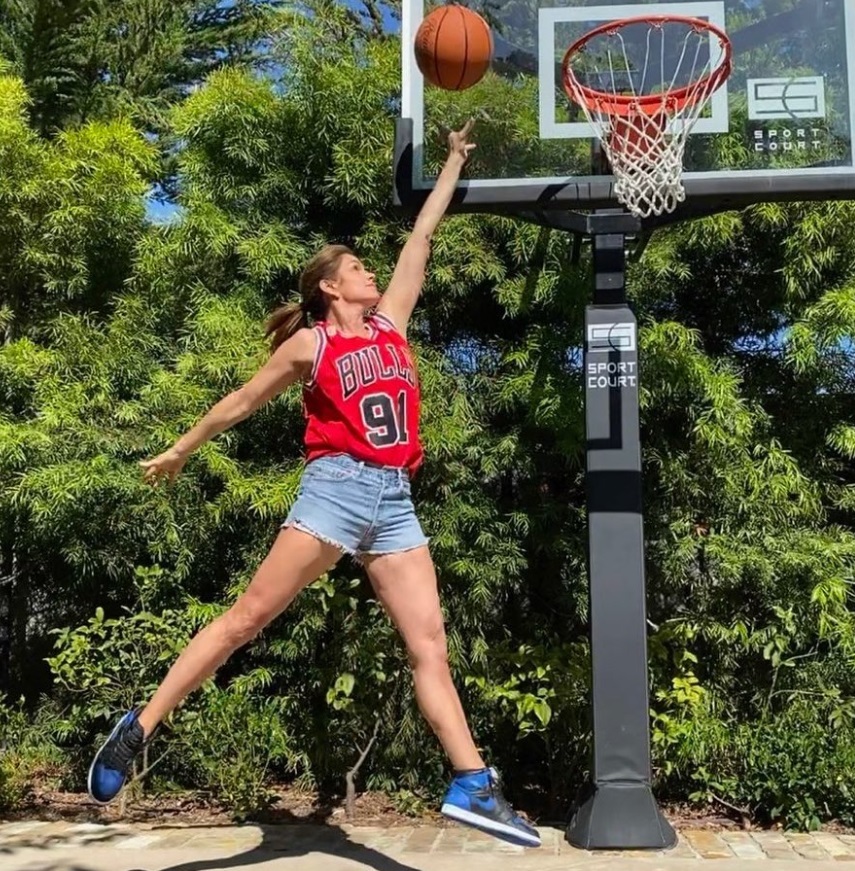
(454, 47)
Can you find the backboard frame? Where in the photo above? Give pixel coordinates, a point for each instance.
(706, 193)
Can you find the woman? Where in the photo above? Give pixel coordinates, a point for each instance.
(362, 445)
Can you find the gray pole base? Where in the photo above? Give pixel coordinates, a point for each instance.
(620, 816)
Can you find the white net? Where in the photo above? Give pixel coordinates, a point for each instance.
(643, 84)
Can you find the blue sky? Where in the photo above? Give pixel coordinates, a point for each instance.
(159, 212)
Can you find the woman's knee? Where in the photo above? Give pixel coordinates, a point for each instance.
(429, 649)
(244, 620)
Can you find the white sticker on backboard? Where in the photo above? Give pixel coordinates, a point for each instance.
(550, 128)
(782, 99)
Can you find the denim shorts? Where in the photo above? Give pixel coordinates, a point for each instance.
(360, 508)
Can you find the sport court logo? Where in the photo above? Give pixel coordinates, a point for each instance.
(786, 99)
(611, 337)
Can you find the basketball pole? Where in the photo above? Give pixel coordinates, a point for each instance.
(617, 810)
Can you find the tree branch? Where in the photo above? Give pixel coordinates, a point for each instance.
(745, 815)
(350, 796)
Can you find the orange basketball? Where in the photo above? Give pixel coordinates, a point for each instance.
(454, 47)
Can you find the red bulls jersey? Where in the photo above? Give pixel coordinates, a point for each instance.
(363, 397)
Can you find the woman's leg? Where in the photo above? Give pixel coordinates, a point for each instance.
(295, 560)
(406, 585)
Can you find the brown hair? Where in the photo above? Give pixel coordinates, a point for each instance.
(288, 318)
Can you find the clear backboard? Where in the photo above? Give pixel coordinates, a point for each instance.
(781, 127)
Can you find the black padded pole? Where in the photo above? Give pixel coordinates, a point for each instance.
(618, 810)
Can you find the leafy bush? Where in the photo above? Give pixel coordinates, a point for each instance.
(29, 753)
(234, 740)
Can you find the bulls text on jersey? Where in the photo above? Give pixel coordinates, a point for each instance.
(367, 366)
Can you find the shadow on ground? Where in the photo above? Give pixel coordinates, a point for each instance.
(290, 838)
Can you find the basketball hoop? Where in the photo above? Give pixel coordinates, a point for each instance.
(652, 77)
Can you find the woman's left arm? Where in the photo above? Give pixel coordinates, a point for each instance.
(405, 287)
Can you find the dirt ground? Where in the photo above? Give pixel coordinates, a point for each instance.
(295, 806)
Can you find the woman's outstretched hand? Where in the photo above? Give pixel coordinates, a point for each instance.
(167, 465)
(458, 140)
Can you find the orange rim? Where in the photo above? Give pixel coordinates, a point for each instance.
(650, 104)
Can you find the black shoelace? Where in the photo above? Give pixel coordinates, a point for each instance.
(119, 754)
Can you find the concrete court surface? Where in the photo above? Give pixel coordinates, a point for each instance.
(65, 846)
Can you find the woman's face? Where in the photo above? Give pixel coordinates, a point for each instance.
(353, 283)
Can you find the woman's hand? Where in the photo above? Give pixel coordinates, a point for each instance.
(168, 465)
(458, 140)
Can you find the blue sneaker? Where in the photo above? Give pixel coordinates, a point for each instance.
(475, 799)
(112, 763)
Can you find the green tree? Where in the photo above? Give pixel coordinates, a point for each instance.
(747, 322)
(90, 59)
